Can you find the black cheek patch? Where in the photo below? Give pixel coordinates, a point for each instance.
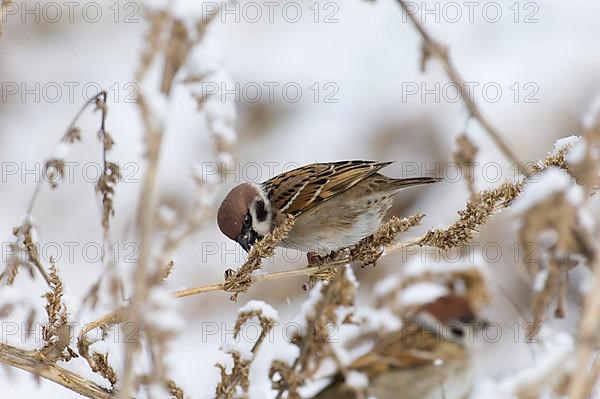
(261, 212)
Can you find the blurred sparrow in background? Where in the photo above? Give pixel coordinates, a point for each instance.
(335, 204)
(425, 359)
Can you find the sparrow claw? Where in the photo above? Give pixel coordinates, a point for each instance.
(229, 273)
(314, 259)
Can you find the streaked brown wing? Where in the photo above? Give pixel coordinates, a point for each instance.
(299, 190)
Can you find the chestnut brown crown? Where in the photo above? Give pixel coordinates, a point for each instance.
(234, 209)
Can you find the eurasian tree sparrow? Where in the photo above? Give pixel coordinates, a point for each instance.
(422, 360)
(335, 205)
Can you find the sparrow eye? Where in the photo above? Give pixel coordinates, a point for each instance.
(247, 221)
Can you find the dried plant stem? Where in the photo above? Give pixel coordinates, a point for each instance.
(464, 155)
(303, 271)
(239, 375)
(43, 272)
(145, 228)
(109, 319)
(307, 339)
(440, 52)
(100, 97)
(117, 316)
(30, 361)
(588, 339)
(92, 100)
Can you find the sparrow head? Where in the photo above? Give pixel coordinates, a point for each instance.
(245, 215)
(451, 311)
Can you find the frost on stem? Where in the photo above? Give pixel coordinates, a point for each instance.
(238, 377)
(321, 310)
(553, 236)
(97, 361)
(177, 34)
(206, 76)
(544, 379)
(421, 293)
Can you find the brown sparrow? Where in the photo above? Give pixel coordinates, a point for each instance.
(335, 204)
(425, 359)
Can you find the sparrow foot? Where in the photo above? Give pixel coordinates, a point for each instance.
(314, 259)
(229, 273)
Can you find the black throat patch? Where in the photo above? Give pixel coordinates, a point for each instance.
(261, 212)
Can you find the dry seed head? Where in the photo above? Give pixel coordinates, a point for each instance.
(72, 135)
(313, 341)
(241, 280)
(369, 250)
(54, 170)
(476, 213)
(56, 332)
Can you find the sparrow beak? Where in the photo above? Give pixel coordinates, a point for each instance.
(247, 239)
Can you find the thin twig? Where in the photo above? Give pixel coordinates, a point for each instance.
(117, 316)
(36, 192)
(75, 119)
(433, 48)
(303, 271)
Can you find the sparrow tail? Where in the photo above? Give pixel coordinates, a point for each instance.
(414, 181)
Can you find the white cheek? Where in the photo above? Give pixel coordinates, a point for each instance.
(263, 228)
